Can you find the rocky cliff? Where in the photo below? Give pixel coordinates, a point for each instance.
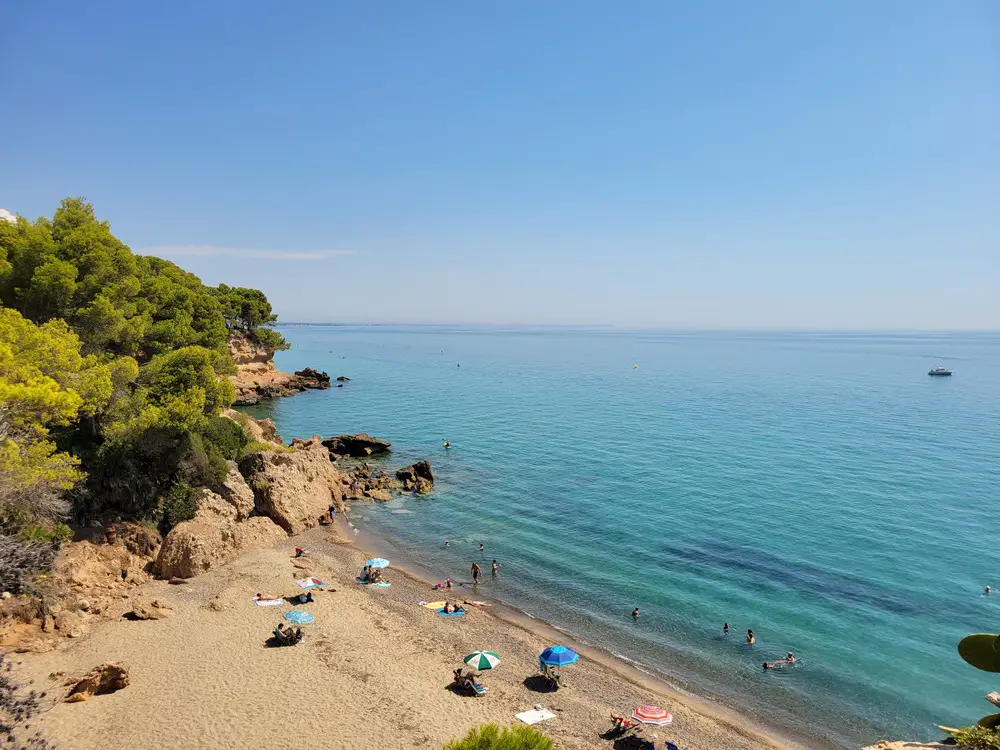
(256, 376)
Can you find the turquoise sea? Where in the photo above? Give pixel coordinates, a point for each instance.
(820, 489)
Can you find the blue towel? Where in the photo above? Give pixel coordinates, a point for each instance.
(449, 614)
(383, 584)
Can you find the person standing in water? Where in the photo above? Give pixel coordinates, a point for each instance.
(482, 548)
(475, 573)
(496, 568)
(987, 591)
(751, 638)
(725, 629)
(635, 612)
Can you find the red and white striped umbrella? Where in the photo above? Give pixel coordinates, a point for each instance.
(653, 715)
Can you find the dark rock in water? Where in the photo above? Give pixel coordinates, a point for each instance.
(309, 373)
(417, 478)
(356, 446)
(343, 379)
(340, 385)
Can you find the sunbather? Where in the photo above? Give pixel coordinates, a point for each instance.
(262, 598)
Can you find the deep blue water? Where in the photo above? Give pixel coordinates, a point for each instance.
(818, 488)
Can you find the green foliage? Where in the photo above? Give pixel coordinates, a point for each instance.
(116, 371)
(180, 504)
(58, 534)
(183, 370)
(977, 738)
(226, 436)
(493, 737)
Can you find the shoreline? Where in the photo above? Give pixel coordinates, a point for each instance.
(376, 545)
(373, 669)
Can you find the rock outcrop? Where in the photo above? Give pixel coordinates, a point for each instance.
(148, 609)
(417, 477)
(356, 446)
(257, 378)
(295, 487)
(259, 430)
(107, 678)
(216, 535)
(235, 491)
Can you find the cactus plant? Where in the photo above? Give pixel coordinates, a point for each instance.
(981, 650)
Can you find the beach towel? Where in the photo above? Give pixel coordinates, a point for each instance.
(309, 583)
(449, 614)
(383, 584)
(433, 605)
(268, 602)
(534, 716)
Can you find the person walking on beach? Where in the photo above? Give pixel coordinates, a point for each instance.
(475, 573)
(496, 568)
(725, 629)
(751, 638)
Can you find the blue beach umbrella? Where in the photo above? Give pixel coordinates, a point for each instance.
(298, 616)
(558, 656)
(377, 562)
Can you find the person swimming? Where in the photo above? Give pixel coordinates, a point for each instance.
(987, 591)
(447, 443)
(751, 638)
(482, 547)
(495, 568)
(725, 629)
(635, 612)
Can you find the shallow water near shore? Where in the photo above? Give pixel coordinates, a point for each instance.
(820, 489)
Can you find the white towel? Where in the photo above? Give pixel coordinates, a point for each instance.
(534, 716)
(268, 602)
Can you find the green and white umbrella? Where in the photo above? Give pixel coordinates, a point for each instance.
(480, 660)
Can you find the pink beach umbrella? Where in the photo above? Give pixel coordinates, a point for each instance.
(654, 715)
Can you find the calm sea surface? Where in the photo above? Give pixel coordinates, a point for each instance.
(820, 489)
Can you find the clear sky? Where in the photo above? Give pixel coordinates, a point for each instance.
(657, 163)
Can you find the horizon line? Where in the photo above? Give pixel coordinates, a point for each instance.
(627, 329)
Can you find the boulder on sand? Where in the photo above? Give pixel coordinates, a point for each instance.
(106, 678)
(294, 487)
(356, 446)
(213, 537)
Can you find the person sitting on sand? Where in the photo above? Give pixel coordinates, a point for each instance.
(262, 598)
(751, 638)
(376, 575)
(299, 552)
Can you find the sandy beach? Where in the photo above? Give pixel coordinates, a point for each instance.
(372, 671)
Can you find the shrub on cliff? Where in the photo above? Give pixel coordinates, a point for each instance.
(21, 560)
(977, 738)
(18, 709)
(493, 737)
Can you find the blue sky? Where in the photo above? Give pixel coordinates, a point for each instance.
(650, 163)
